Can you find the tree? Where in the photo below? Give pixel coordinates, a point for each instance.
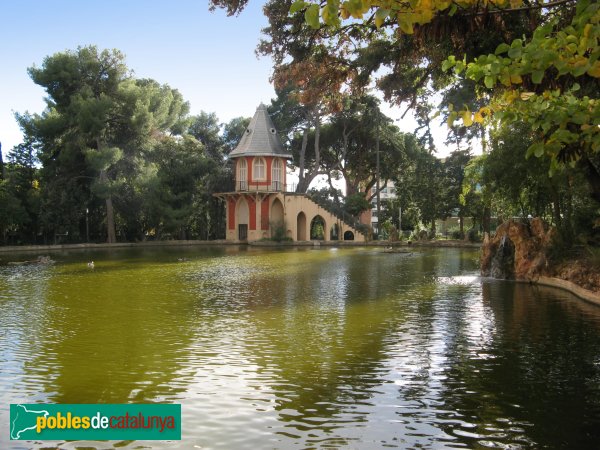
(19, 195)
(356, 204)
(549, 82)
(206, 129)
(82, 90)
(401, 44)
(510, 185)
(301, 123)
(98, 124)
(233, 132)
(179, 167)
(12, 212)
(539, 62)
(354, 137)
(1, 163)
(454, 174)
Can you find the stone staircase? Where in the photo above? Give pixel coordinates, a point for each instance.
(350, 221)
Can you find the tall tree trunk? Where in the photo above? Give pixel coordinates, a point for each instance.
(110, 214)
(110, 222)
(568, 222)
(556, 209)
(487, 218)
(1, 163)
(317, 121)
(302, 163)
(336, 197)
(304, 178)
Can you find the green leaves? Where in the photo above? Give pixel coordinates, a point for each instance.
(104, 158)
(502, 48)
(312, 16)
(537, 76)
(536, 149)
(380, 16)
(565, 121)
(467, 118)
(297, 6)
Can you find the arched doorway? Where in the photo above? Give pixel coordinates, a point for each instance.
(348, 236)
(334, 233)
(317, 229)
(276, 222)
(243, 215)
(301, 226)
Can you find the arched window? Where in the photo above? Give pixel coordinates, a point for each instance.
(277, 177)
(258, 169)
(242, 175)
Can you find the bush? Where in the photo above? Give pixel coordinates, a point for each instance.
(593, 256)
(455, 233)
(355, 204)
(278, 232)
(473, 235)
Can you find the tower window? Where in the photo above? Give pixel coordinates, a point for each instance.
(258, 169)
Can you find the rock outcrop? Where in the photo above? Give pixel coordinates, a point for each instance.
(517, 251)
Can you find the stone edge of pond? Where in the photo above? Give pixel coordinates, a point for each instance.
(448, 243)
(42, 248)
(578, 291)
(59, 247)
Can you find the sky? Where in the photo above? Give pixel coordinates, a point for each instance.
(209, 57)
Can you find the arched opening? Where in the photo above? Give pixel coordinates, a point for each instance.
(276, 175)
(243, 215)
(242, 175)
(317, 229)
(276, 222)
(348, 236)
(301, 226)
(334, 233)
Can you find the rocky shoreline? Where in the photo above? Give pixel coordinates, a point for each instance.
(520, 251)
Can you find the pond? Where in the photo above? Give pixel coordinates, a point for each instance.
(303, 348)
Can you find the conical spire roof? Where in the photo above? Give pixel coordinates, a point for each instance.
(260, 138)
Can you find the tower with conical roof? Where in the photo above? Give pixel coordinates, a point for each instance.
(259, 156)
(262, 205)
(254, 210)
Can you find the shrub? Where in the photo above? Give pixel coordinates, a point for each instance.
(278, 232)
(355, 204)
(473, 235)
(455, 233)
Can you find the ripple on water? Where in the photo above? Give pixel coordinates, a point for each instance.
(302, 349)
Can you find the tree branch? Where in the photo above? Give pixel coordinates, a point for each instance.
(523, 8)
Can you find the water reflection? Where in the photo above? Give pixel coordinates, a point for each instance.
(307, 348)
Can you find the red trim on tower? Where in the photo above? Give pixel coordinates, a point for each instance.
(252, 211)
(249, 161)
(269, 161)
(264, 214)
(231, 214)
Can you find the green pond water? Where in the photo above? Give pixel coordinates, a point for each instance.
(303, 348)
